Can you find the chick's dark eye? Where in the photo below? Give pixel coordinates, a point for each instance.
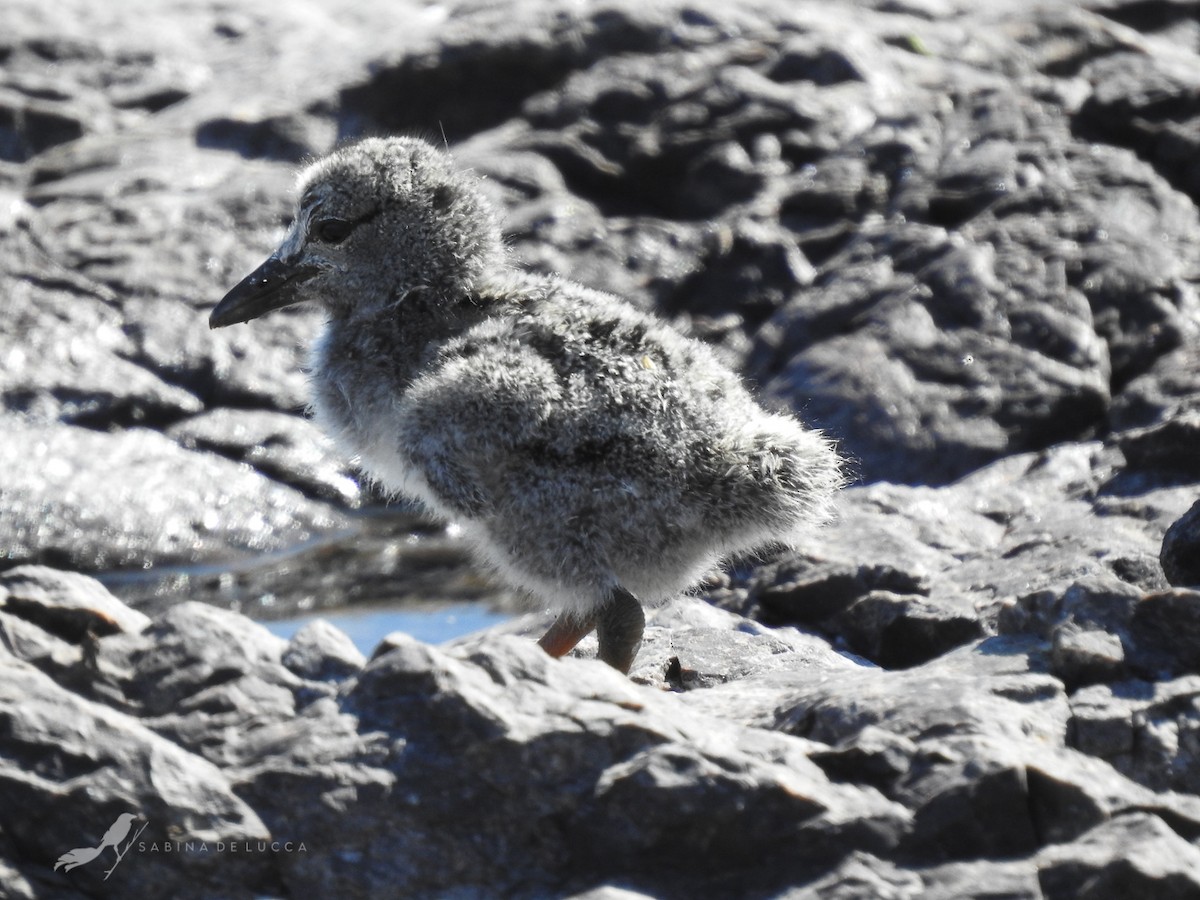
(332, 231)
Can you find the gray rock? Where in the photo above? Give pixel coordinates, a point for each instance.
(1170, 386)
(161, 251)
(1000, 550)
(1086, 657)
(906, 390)
(30, 643)
(17, 885)
(808, 589)
(879, 611)
(1167, 447)
(610, 892)
(1147, 731)
(1133, 855)
(65, 346)
(693, 645)
(873, 755)
(1101, 603)
(1180, 555)
(188, 650)
(282, 447)
(982, 879)
(66, 604)
(927, 371)
(903, 630)
(801, 772)
(1165, 631)
(426, 709)
(696, 646)
(962, 238)
(320, 652)
(982, 709)
(169, 505)
(79, 764)
(862, 875)
(1140, 103)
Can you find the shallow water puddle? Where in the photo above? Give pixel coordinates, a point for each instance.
(368, 626)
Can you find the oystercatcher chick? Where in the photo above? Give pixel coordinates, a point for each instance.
(591, 454)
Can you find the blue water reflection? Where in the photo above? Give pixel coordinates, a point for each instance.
(368, 626)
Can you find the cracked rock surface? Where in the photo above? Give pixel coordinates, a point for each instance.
(961, 238)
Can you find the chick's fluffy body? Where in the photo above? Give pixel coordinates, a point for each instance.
(580, 443)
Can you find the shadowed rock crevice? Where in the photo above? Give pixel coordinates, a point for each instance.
(1150, 15)
(1149, 107)
(55, 90)
(27, 128)
(282, 138)
(672, 136)
(477, 79)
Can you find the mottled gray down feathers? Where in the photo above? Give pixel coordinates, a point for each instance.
(580, 443)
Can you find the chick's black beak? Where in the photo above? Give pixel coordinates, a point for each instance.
(271, 286)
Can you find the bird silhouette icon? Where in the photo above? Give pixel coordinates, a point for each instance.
(117, 832)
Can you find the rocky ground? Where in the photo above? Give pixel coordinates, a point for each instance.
(962, 238)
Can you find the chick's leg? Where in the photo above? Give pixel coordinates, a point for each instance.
(619, 626)
(565, 633)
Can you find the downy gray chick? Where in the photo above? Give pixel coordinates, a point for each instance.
(592, 455)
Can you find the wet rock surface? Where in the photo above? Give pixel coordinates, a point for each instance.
(962, 239)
